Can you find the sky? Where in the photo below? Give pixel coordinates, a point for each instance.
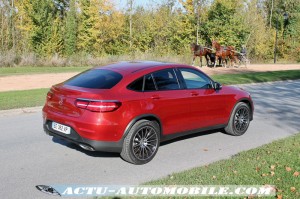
(123, 3)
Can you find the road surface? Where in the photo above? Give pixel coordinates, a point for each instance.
(29, 157)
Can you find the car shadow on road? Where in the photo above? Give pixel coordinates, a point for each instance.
(89, 153)
(202, 133)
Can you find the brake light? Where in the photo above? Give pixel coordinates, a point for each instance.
(82, 104)
(98, 106)
(49, 95)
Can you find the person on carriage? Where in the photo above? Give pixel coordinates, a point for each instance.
(244, 50)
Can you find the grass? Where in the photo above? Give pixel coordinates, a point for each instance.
(21, 99)
(256, 77)
(36, 97)
(276, 164)
(6, 71)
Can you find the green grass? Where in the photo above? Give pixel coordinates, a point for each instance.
(36, 97)
(246, 78)
(21, 99)
(274, 164)
(6, 71)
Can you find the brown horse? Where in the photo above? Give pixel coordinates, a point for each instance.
(224, 53)
(200, 51)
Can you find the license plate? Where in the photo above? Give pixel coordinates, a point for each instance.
(61, 128)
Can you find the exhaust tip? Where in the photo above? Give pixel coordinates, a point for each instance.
(86, 147)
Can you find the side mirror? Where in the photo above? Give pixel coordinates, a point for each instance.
(217, 86)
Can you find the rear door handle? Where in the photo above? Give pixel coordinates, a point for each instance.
(155, 97)
(194, 93)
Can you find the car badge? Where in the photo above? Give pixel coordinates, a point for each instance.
(61, 101)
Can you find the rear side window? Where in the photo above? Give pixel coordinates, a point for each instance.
(95, 78)
(166, 80)
(137, 85)
(149, 83)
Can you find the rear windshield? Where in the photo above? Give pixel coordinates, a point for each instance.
(95, 78)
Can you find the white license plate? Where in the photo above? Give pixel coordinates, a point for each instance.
(61, 128)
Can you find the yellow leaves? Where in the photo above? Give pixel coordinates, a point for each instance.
(272, 173)
(293, 189)
(272, 167)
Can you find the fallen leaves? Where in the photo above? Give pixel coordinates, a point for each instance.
(272, 173)
(279, 196)
(288, 169)
(272, 167)
(293, 189)
(296, 174)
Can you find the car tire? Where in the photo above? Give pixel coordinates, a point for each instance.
(239, 120)
(142, 142)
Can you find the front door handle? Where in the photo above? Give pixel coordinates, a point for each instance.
(155, 97)
(194, 93)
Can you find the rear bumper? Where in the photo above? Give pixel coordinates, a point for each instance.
(74, 137)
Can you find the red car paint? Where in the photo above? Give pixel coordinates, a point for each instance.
(177, 111)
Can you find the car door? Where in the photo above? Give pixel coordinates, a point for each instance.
(207, 105)
(166, 99)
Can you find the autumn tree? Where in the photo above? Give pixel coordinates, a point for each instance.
(71, 29)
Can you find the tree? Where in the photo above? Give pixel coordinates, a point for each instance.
(225, 23)
(260, 41)
(87, 32)
(71, 29)
(46, 32)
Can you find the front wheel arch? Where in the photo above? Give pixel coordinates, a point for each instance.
(239, 119)
(246, 101)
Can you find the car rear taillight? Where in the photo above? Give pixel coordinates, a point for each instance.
(82, 104)
(49, 95)
(98, 106)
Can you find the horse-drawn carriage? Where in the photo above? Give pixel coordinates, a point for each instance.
(219, 53)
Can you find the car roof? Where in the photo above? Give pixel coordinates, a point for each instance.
(127, 67)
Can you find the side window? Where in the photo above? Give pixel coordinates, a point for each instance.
(149, 83)
(195, 79)
(166, 80)
(137, 85)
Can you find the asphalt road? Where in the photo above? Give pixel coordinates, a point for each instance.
(29, 157)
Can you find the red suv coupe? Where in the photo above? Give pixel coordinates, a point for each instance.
(130, 107)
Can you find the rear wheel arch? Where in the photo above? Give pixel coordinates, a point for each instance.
(149, 117)
(142, 141)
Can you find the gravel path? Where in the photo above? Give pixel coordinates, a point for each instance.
(26, 82)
